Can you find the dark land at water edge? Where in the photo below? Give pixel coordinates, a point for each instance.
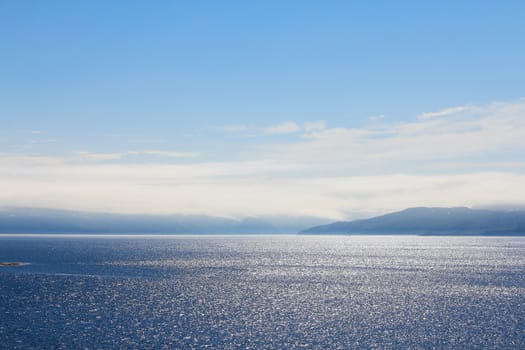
(433, 221)
(55, 221)
(414, 221)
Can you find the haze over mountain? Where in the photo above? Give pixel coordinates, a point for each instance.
(421, 220)
(432, 221)
(32, 220)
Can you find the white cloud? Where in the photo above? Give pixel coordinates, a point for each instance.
(469, 157)
(228, 188)
(490, 130)
(242, 189)
(283, 128)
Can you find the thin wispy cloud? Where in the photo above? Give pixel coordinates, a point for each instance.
(283, 128)
(375, 118)
(36, 141)
(114, 156)
(36, 132)
(288, 127)
(169, 154)
(235, 128)
(444, 112)
(99, 156)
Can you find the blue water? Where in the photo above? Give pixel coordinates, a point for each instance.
(263, 292)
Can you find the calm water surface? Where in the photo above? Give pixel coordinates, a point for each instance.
(263, 292)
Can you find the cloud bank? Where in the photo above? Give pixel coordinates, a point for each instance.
(464, 155)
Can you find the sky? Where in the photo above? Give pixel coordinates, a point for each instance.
(332, 109)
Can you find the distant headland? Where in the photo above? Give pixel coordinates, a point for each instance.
(433, 221)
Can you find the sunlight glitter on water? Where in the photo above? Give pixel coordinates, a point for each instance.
(264, 292)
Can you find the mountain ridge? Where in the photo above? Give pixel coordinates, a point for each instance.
(45, 220)
(432, 221)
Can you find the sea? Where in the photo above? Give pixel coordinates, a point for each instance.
(262, 292)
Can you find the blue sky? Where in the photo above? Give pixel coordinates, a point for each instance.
(259, 96)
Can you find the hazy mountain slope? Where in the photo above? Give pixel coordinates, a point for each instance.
(29, 220)
(445, 221)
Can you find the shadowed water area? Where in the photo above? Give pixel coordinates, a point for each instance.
(263, 292)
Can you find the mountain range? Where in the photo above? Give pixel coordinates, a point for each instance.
(420, 221)
(37, 220)
(432, 221)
